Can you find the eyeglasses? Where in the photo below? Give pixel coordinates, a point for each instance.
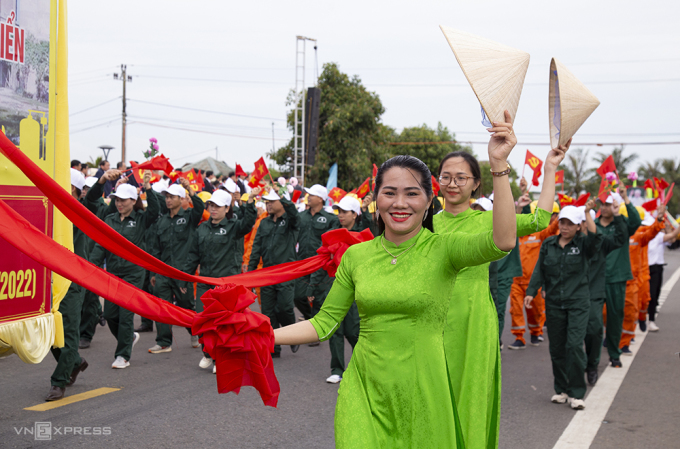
(459, 180)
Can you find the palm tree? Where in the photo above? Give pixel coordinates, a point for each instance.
(94, 163)
(575, 171)
(621, 162)
(650, 169)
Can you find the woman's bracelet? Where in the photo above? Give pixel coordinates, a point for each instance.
(501, 173)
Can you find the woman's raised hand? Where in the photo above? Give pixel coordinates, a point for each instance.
(501, 143)
(556, 156)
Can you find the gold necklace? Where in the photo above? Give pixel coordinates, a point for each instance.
(394, 258)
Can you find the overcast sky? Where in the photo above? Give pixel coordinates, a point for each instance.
(239, 58)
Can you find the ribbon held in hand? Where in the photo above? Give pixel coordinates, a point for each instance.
(335, 243)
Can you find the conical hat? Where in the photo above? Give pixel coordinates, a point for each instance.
(570, 104)
(495, 71)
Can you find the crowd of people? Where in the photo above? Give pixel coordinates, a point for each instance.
(423, 304)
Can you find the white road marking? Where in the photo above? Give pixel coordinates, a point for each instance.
(585, 424)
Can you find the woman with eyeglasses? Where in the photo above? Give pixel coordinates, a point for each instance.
(471, 336)
(395, 392)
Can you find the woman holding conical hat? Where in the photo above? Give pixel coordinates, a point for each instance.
(471, 336)
(395, 392)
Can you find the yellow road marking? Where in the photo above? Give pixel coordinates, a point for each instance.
(71, 399)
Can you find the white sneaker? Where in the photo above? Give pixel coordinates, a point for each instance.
(652, 327)
(577, 404)
(205, 363)
(120, 363)
(194, 342)
(334, 379)
(157, 349)
(135, 340)
(215, 369)
(560, 398)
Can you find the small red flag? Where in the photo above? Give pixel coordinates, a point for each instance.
(435, 186)
(670, 194)
(605, 190)
(239, 171)
(536, 164)
(364, 188)
(354, 191)
(649, 184)
(195, 180)
(559, 177)
(582, 200)
(565, 200)
(375, 173)
(650, 206)
(607, 166)
(337, 194)
(260, 172)
(159, 162)
(296, 195)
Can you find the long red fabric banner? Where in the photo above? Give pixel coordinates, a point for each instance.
(101, 233)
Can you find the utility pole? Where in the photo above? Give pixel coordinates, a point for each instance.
(299, 118)
(125, 78)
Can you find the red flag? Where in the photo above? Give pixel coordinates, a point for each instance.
(296, 195)
(536, 164)
(239, 171)
(670, 194)
(649, 184)
(650, 206)
(159, 162)
(661, 184)
(559, 177)
(565, 200)
(435, 186)
(364, 188)
(375, 173)
(195, 180)
(175, 175)
(607, 166)
(582, 200)
(605, 190)
(354, 191)
(260, 172)
(337, 194)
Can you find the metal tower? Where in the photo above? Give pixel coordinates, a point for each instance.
(299, 128)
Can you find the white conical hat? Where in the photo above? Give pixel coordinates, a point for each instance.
(495, 71)
(570, 104)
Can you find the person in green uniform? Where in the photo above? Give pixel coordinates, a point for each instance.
(92, 313)
(472, 324)
(69, 361)
(131, 224)
(598, 264)
(618, 270)
(563, 270)
(354, 217)
(313, 223)
(216, 243)
(232, 188)
(175, 234)
(274, 243)
(396, 391)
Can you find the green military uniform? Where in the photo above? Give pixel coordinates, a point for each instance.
(174, 237)
(215, 247)
(133, 227)
(598, 264)
(505, 269)
(618, 273)
(92, 308)
(563, 273)
(314, 285)
(350, 325)
(240, 243)
(149, 240)
(71, 308)
(275, 242)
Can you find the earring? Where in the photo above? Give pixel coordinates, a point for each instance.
(425, 215)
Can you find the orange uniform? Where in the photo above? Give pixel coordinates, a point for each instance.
(637, 246)
(248, 248)
(529, 249)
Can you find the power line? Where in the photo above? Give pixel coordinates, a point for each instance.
(98, 119)
(95, 106)
(213, 125)
(537, 143)
(206, 110)
(213, 80)
(203, 132)
(94, 126)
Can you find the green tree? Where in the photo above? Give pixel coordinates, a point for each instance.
(622, 162)
(94, 163)
(650, 170)
(671, 173)
(575, 171)
(486, 188)
(350, 131)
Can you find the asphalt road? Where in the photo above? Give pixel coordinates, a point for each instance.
(167, 400)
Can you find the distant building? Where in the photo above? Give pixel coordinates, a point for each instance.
(209, 163)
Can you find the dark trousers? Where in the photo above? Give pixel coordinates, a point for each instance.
(67, 357)
(349, 329)
(89, 317)
(201, 289)
(655, 281)
(567, 325)
(167, 289)
(149, 289)
(501, 300)
(277, 305)
(594, 331)
(120, 320)
(616, 300)
(300, 298)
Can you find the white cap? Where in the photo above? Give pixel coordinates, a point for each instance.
(230, 185)
(348, 203)
(125, 191)
(90, 180)
(328, 209)
(318, 190)
(571, 213)
(176, 190)
(77, 179)
(485, 203)
(159, 187)
(582, 211)
(301, 207)
(593, 215)
(648, 221)
(220, 198)
(612, 197)
(491, 196)
(271, 196)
